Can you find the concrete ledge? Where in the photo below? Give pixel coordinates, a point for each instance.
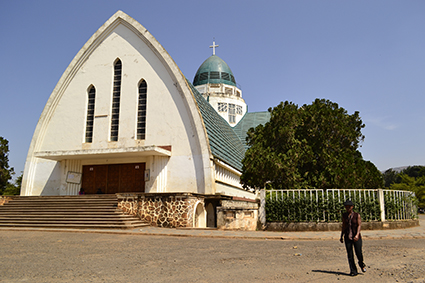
(336, 226)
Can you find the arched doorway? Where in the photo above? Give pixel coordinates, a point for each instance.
(199, 219)
(211, 215)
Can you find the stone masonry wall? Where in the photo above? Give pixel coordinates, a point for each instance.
(237, 215)
(161, 210)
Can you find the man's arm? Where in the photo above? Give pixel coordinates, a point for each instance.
(359, 222)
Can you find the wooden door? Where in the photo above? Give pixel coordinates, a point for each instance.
(114, 178)
(94, 178)
(101, 172)
(88, 182)
(127, 181)
(139, 177)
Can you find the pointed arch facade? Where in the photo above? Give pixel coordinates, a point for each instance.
(175, 152)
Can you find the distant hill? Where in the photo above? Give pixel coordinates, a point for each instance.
(399, 169)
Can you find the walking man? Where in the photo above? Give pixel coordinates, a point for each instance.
(350, 234)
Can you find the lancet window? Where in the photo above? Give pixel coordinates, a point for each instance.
(91, 95)
(116, 93)
(141, 111)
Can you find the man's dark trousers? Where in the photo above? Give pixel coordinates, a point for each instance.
(349, 244)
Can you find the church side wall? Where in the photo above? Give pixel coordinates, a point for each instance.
(225, 189)
(228, 181)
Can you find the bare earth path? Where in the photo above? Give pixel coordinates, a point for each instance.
(27, 256)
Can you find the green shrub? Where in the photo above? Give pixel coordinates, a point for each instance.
(300, 206)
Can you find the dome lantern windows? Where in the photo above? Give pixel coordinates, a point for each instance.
(214, 75)
(203, 76)
(222, 107)
(232, 113)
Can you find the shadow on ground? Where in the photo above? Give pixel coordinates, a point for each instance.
(332, 272)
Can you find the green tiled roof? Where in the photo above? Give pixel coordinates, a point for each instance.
(214, 71)
(250, 120)
(224, 142)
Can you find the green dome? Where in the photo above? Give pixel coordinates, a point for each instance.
(214, 71)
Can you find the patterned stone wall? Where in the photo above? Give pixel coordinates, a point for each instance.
(237, 215)
(128, 203)
(161, 210)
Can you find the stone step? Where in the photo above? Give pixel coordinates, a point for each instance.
(74, 226)
(73, 215)
(69, 221)
(59, 209)
(65, 200)
(65, 206)
(66, 197)
(96, 212)
(41, 198)
(67, 218)
(65, 212)
(61, 198)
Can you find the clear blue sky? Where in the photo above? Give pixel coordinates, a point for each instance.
(367, 56)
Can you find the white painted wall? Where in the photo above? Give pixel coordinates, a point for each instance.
(218, 94)
(225, 189)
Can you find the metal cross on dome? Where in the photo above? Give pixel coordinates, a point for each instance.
(213, 46)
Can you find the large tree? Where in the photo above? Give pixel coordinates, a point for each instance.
(313, 146)
(5, 171)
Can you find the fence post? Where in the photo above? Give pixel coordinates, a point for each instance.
(262, 211)
(381, 203)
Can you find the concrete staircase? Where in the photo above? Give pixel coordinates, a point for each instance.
(67, 212)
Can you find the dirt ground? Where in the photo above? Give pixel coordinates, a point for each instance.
(84, 257)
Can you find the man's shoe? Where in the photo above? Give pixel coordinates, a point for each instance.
(364, 269)
(353, 274)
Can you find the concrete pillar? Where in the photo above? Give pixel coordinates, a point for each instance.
(262, 211)
(381, 203)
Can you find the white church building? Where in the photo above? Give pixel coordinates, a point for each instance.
(124, 119)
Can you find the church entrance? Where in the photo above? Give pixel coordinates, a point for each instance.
(114, 178)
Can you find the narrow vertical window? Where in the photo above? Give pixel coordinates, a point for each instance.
(116, 101)
(141, 111)
(238, 109)
(90, 114)
(222, 107)
(232, 113)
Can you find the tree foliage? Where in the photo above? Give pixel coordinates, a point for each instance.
(15, 188)
(5, 171)
(392, 176)
(410, 179)
(313, 146)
